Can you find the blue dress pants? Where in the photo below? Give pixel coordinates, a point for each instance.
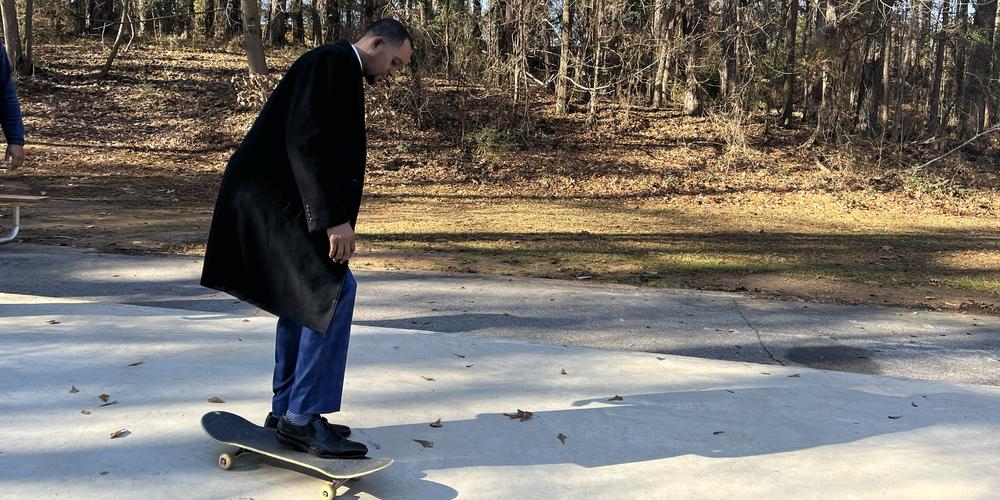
(309, 365)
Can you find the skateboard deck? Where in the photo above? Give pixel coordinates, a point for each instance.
(248, 437)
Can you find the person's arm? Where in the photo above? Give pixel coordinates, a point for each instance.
(311, 141)
(10, 114)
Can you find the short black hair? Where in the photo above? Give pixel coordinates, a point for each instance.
(389, 29)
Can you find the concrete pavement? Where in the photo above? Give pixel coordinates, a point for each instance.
(683, 427)
(929, 345)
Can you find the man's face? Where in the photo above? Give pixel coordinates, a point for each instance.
(387, 59)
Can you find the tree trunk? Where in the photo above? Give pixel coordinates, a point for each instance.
(298, 23)
(252, 38)
(962, 17)
(697, 17)
(189, 22)
(11, 33)
(727, 66)
(276, 28)
(791, 23)
(977, 86)
(80, 16)
(475, 13)
(210, 6)
(27, 66)
(234, 18)
(883, 102)
(933, 120)
(333, 30)
(119, 39)
(317, 14)
(566, 28)
(659, 53)
(598, 26)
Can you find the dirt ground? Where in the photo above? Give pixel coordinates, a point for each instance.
(651, 198)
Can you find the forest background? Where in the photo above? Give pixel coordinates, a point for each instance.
(818, 149)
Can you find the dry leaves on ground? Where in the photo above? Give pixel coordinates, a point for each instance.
(521, 415)
(137, 363)
(216, 399)
(425, 443)
(104, 397)
(615, 398)
(73, 390)
(562, 438)
(429, 379)
(120, 433)
(436, 423)
(85, 411)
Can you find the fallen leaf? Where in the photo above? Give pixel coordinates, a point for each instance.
(429, 379)
(120, 433)
(794, 375)
(521, 414)
(216, 399)
(716, 433)
(104, 397)
(616, 398)
(730, 392)
(52, 322)
(895, 417)
(436, 423)
(659, 358)
(424, 443)
(460, 355)
(109, 403)
(561, 438)
(85, 411)
(468, 366)
(914, 404)
(563, 372)
(73, 390)
(137, 363)
(765, 373)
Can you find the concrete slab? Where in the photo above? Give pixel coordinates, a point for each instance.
(683, 428)
(942, 346)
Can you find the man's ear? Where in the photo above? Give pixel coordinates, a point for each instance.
(377, 41)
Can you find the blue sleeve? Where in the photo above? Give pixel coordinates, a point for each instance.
(10, 108)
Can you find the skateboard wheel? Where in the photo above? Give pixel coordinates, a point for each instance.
(328, 492)
(225, 461)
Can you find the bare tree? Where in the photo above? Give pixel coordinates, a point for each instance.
(252, 37)
(11, 32)
(791, 23)
(566, 30)
(977, 87)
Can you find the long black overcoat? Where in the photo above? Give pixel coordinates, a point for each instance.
(299, 170)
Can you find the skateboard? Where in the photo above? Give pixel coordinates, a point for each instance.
(248, 437)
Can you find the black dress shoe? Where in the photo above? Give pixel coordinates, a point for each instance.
(271, 422)
(316, 438)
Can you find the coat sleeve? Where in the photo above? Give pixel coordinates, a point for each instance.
(313, 137)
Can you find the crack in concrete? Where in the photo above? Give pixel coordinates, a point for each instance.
(757, 333)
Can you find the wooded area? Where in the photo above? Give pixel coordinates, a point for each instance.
(904, 70)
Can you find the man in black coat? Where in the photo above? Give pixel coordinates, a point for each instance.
(283, 229)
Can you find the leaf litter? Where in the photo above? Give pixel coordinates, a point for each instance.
(521, 415)
(120, 433)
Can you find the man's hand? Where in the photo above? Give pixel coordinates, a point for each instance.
(341, 242)
(14, 157)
